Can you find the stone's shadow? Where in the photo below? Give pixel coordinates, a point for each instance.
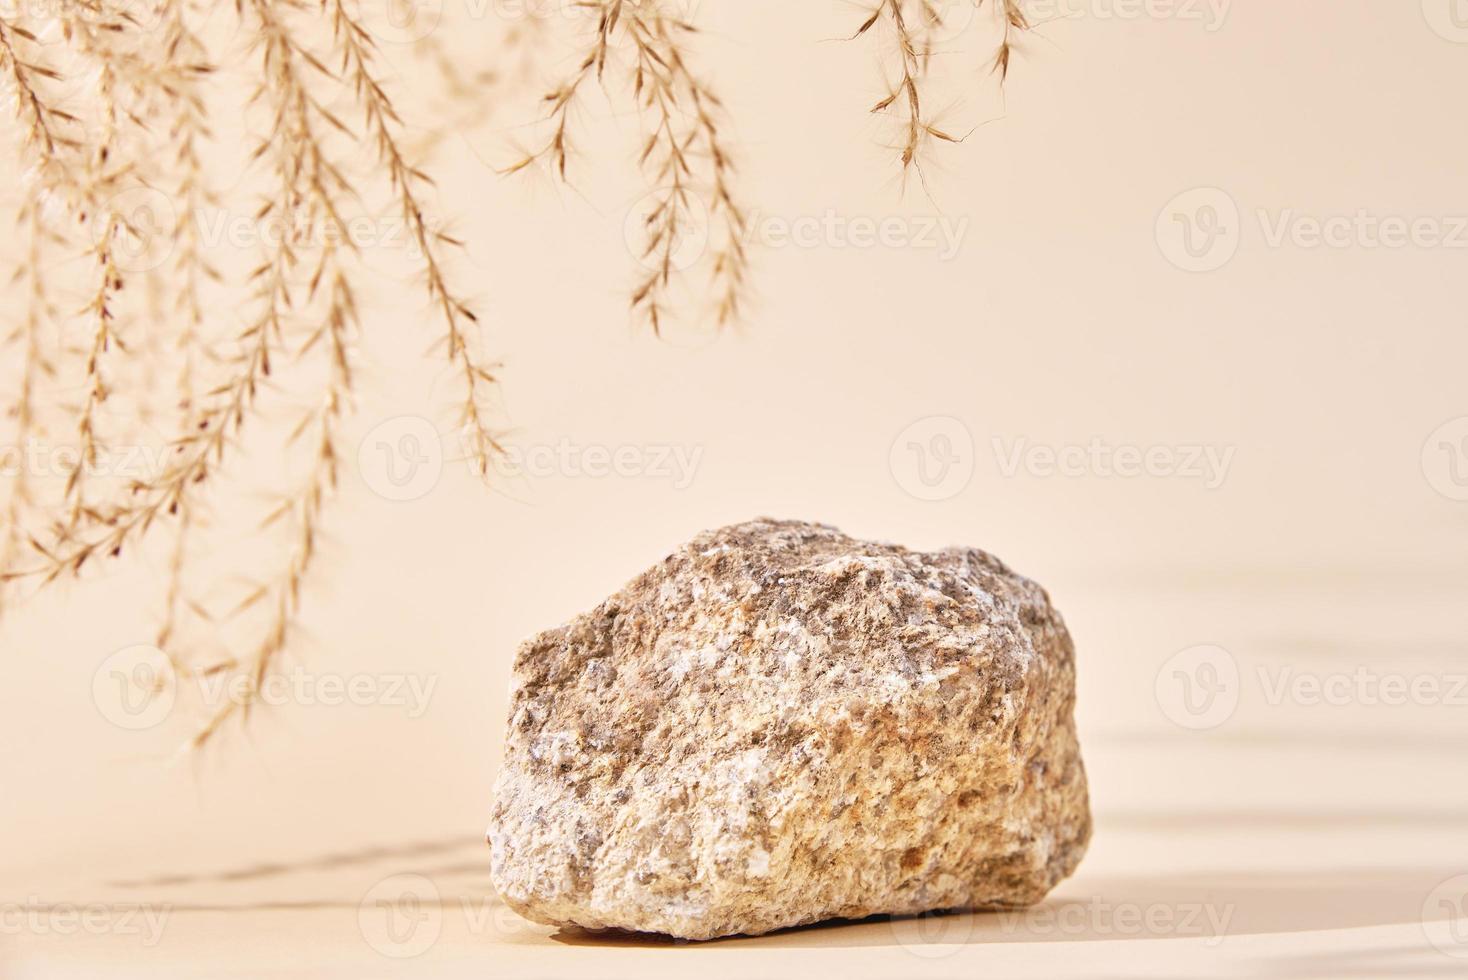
(576, 936)
(1192, 906)
(1200, 906)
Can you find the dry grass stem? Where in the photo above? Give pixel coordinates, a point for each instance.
(911, 29)
(684, 153)
(116, 313)
(144, 130)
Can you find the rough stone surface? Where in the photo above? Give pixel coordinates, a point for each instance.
(779, 724)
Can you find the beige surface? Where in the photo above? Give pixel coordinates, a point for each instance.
(1320, 831)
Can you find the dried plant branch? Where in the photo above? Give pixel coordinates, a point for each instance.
(308, 178)
(302, 289)
(104, 339)
(467, 93)
(126, 83)
(912, 56)
(40, 312)
(684, 153)
(131, 115)
(354, 48)
(188, 132)
(1014, 21)
(911, 29)
(671, 155)
(43, 123)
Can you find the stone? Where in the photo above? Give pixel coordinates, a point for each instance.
(779, 725)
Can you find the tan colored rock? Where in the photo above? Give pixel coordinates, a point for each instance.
(779, 724)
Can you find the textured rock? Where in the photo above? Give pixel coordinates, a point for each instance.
(779, 724)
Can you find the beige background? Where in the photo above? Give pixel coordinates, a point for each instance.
(1332, 548)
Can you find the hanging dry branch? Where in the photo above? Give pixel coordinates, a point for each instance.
(910, 33)
(110, 104)
(684, 152)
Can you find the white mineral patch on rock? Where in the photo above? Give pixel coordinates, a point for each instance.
(779, 724)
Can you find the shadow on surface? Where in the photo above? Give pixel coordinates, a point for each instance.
(327, 862)
(1202, 906)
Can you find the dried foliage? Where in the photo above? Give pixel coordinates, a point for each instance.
(911, 30)
(139, 128)
(684, 152)
(110, 105)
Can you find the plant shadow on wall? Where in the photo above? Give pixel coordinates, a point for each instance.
(118, 351)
